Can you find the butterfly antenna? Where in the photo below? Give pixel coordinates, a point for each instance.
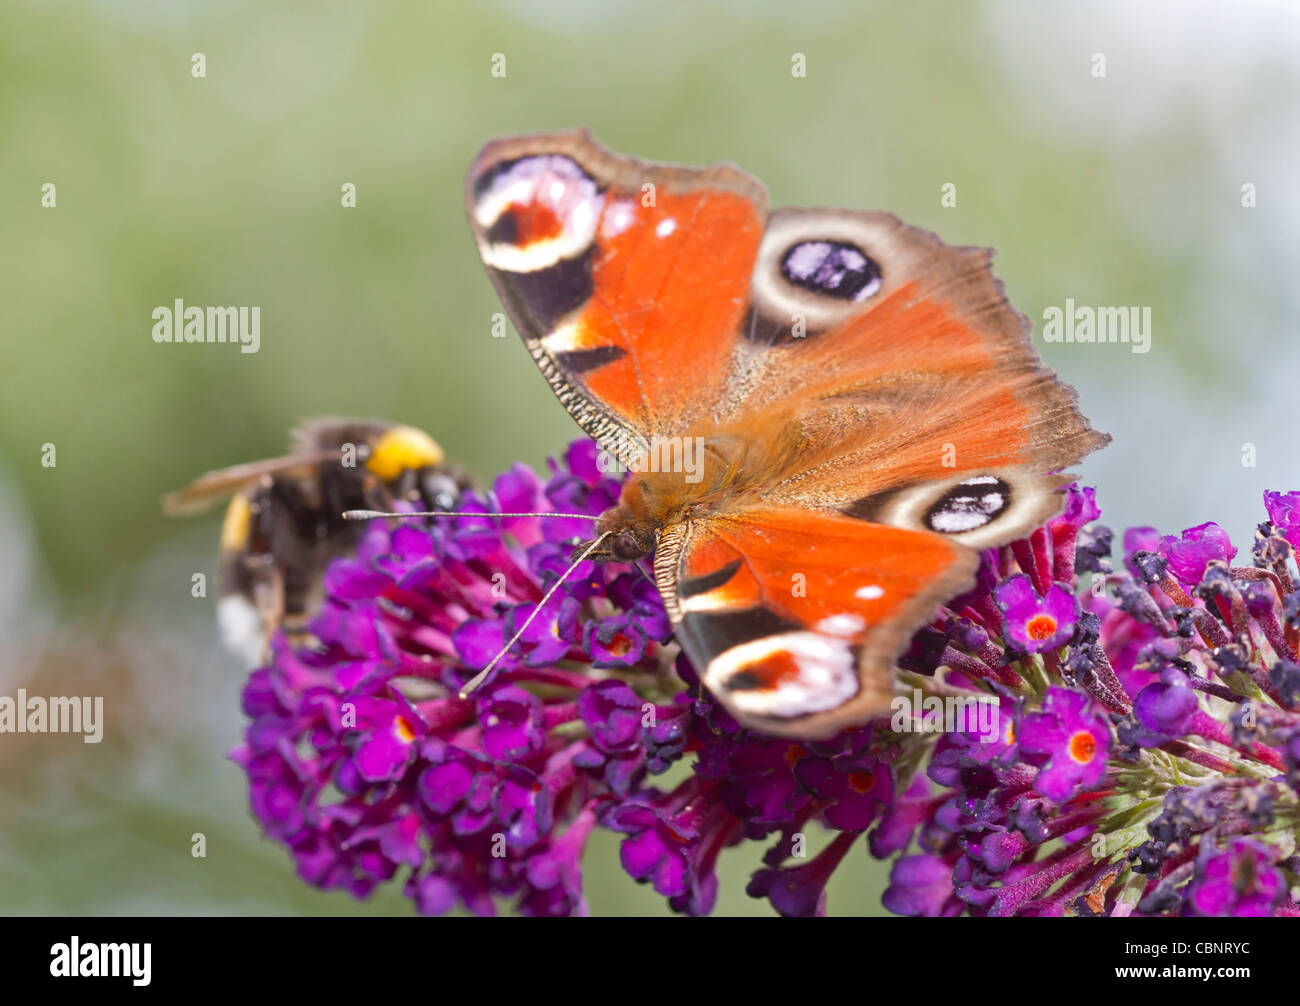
(372, 514)
(473, 684)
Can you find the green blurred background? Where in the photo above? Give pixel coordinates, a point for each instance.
(1122, 190)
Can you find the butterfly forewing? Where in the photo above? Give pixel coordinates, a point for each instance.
(610, 267)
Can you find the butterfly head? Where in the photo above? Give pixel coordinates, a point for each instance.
(623, 537)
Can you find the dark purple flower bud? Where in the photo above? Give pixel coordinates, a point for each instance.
(1259, 597)
(1285, 677)
(1139, 540)
(1230, 659)
(1029, 818)
(1165, 709)
(924, 654)
(1087, 631)
(1092, 552)
(965, 634)
(1291, 609)
(1133, 600)
(1163, 899)
(995, 849)
(1255, 804)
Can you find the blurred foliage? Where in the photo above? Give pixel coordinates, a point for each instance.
(226, 190)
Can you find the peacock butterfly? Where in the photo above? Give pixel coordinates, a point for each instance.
(868, 408)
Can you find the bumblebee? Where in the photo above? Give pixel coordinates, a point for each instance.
(284, 522)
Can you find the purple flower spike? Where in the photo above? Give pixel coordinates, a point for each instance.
(987, 789)
(1035, 624)
(362, 759)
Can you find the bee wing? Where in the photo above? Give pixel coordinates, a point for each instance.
(215, 486)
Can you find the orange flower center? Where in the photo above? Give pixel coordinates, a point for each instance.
(1082, 747)
(861, 781)
(1041, 627)
(403, 730)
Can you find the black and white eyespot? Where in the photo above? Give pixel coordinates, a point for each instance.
(831, 268)
(816, 267)
(980, 510)
(970, 504)
(535, 212)
(787, 675)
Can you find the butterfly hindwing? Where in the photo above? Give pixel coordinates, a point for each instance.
(793, 617)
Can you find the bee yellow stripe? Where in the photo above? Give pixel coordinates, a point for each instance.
(402, 449)
(234, 528)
